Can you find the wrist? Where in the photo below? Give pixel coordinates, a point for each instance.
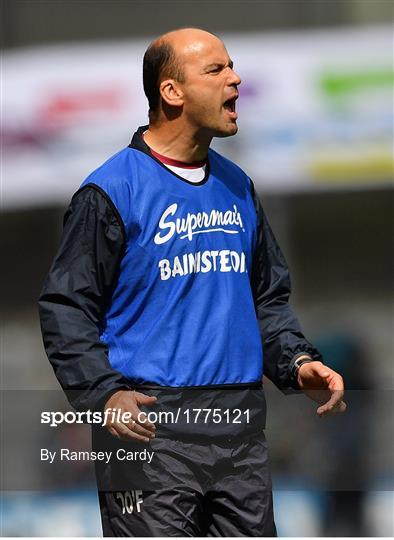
(298, 361)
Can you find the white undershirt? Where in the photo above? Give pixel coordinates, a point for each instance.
(192, 175)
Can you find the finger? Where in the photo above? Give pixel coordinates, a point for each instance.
(113, 431)
(144, 422)
(321, 370)
(127, 434)
(141, 419)
(337, 409)
(140, 429)
(342, 407)
(334, 401)
(143, 399)
(336, 382)
(137, 417)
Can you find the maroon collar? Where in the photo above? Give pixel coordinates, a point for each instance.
(174, 162)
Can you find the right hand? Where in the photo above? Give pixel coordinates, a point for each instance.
(136, 429)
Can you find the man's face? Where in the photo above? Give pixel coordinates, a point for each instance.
(210, 87)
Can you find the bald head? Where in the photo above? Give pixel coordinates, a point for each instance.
(165, 58)
(187, 40)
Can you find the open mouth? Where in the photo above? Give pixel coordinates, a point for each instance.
(229, 105)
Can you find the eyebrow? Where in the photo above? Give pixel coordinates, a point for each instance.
(220, 64)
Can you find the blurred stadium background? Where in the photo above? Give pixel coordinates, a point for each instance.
(316, 136)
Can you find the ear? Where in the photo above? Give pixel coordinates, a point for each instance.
(171, 93)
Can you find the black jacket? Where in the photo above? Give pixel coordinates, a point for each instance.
(78, 288)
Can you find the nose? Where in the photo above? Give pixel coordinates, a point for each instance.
(235, 78)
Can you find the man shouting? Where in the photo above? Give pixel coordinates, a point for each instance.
(170, 292)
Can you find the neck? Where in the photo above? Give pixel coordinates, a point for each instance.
(177, 141)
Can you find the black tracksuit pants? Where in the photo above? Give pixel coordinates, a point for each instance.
(216, 485)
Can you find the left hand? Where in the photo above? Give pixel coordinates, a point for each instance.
(323, 385)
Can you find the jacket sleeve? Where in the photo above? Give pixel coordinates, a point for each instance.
(74, 297)
(283, 340)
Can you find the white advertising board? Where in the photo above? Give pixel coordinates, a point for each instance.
(315, 111)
